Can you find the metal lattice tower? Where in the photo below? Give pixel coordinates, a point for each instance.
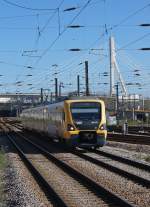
(114, 69)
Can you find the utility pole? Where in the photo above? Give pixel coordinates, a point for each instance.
(123, 107)
(117, 102)
(56, 88)
(143, 102)
(134, 107)
(86, 79)
(41, 95)
(51, 97)
(117, 96)
(60, 86)
(78, 85)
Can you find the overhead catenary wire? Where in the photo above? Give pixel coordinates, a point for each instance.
(59, 71)
(28, 8)
(51, 17)
(74, 63)
(134, 41)
(61, 33)
(133, 67)
(40, 31)
(23, 28)
(43, 74)
(39, 80)
(119, 24)
(131, 15)
(24, 16)
(56, 27)
(111, 28)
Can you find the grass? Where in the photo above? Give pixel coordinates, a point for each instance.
(2, 168)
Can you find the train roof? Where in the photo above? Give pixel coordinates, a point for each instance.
(83, 98)
(68, 100)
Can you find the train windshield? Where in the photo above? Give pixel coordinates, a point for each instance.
(86, 114)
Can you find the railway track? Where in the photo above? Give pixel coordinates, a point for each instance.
(14, 123)
(129, 138)
(99, 192)
(131, 129)
(114, 168)
(142, 181)
(99, 158)
(125, 160)
(89, 155)
(144, 133)
(47, 189)
(132, 138)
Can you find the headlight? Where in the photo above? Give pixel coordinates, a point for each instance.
(103, 127)
(70, 127)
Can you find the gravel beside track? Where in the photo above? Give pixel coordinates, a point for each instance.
(129, 138)
(133, 192)
(71, 191)
(20, 188)
(122, 158)
(122, 166)
(123, 187)
(137, 150)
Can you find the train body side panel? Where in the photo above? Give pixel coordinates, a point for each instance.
(54, 119)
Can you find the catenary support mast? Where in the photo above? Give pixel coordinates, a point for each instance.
(114, 70)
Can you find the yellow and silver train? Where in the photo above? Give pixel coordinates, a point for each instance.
(77, 122)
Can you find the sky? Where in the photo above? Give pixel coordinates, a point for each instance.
(36, 38)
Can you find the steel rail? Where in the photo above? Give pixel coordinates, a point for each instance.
(134, 163)
(99, 190)
(47, 189)
(142, 181)
(125, 160)
(131, 176)
(129, 138)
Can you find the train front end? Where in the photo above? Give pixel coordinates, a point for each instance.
(85, 123)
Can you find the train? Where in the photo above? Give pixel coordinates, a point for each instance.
(77, 122)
